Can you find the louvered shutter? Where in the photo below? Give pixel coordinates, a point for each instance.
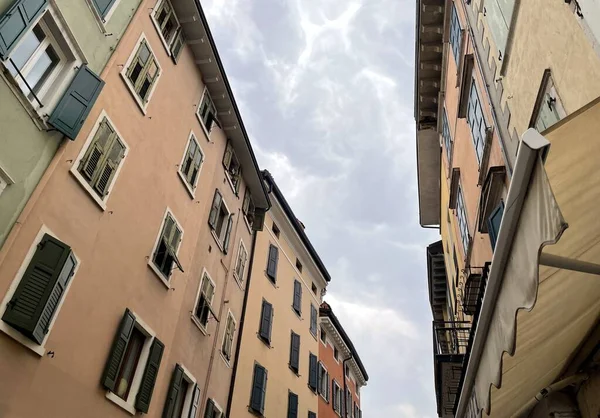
(173, 393)
(313, 319)
(144, 396)
(297, 302)
(41, 289)
(16, 22)
(292, 405)
(295, 351)
(117, 352)
(96, 152)
(494, 222)
(227, 234)
(228, 155)
(77, 101)
(214, 211)
(108, 170)
(210, 408)
(312, 371)
(177, 46)
(103, 7)
(259, 388)
(266, 321)
(195, 402)
(272, 262)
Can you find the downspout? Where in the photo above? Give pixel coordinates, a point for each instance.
(547, 391)
(345, 386)
(241, 330)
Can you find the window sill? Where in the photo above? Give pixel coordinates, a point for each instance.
(86, 186)
(227, 362)
(314, 336)
(293, 370)
(265, 342)
(191, 191)
(40, 350)
(198, 324)
(298, 314)
(120, 402)
(159, 275)
(206, 131)
(217, 240)
(143, 106)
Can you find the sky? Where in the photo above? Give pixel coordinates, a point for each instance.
(325, 89)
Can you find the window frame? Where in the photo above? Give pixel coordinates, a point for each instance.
(547, 88)
(314, 309)
(336, 354)
(102, 21)
(16, 335)
(321, 366)
(165, 280)
(321, 331)
(206, 130)
(236, 275)
(224, 355)
(191, 188)
(447, 137)
(142, 105)
(101, 201)
(195, 319)
(247, 211)
(463, 222)
(5, 180)
(235, 186)
(478, 139)
(336, 395)
(166, 43)
(220, 237)
(455, 38)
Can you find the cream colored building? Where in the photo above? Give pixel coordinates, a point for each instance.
(276, 373)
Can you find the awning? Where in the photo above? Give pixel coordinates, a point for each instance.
(429, 155)
(534, 318)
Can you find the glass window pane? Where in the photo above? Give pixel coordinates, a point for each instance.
(130, 363)
(27, 47)
(144, 53)
(38, 74)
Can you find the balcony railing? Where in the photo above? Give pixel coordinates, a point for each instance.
(474, 288)
(450, 337)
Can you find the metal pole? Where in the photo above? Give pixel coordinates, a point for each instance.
(557, 261)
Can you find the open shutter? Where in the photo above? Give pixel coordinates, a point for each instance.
(295, 352)
(494, 222)
(16, 21)
(103, 7)
(117, 352)
(313, 319)
(210, 409)
(228, 155)
(259, 387)
(77, 101)
(272, 262)
(227, 234)
(173, 393)
(297, 303)
(214, 211)
(266, 320)
(117, 151)
(41, 288)
(292, 405)
(177, 46)
(312, 371)
(144, 396)
(195, 402)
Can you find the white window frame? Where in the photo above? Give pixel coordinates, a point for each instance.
(40, 349)
(189, 395)
(479, 138)
(336, 358)
(143, 106)
(5, 180)
(166, 43)
(455, 37)
(129, 404)
(321, 336)
(75, 172)
(165, 280)
(60, 78)
(240, 280)
(206, 131)
(102, 22)
(229, 315)
(220, 238)
(195, 319)
(463, 223)
(320, 366)
(191, 188)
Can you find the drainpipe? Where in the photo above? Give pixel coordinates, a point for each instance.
(345, 386)
(554, 387)
(241, 330)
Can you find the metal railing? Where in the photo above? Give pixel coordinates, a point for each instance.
(450, 337)
(474, 288)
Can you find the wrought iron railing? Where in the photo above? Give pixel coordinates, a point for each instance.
(450, 337)
(474, 288)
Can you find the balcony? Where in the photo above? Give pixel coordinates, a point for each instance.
(474, 288)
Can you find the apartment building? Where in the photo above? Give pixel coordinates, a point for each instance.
(276, 376)
(122, 280)
(51, 53)
(341, 372)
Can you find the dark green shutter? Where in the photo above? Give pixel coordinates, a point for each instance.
(295, 352)
(259, 388)
(312, 371)
(266, 320)
(75, 105)
(494, 222)
(173, 393)
(41, 289)
(297, 303)
(195, 402)
(16, 21)
(214, 211)
(272, 262)
(144, 396)
(103, 6)
(227, 234)
(292, 405)
(259, 219)
(117, 352)
(109, 168)
(210, 408)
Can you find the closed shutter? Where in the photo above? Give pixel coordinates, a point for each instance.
(108, 170)
(228, 155)
(103, 7)
(266, 321)
(259, 389)
(16, 21)
(494, 222)
(295, 352)
(195, 402)
(117, 352)
(272, 262)
(210, 409)
(292, 405)
(41, 289)
(173, 393)
(144, 396)
(313, 319)
(77, 101)
(297, 303)
(312, 371)
(228, 234)
(214, 211)
(177, 46)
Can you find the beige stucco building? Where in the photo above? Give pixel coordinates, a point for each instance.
(276, 376)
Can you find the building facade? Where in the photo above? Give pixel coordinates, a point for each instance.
(276, 374)
(122, 279)
(341, 373)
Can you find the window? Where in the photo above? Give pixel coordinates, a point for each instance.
(312, 414)
(313, 373)
(233, 169)
(463, 225)
(476, 122)
(499, 16)
(275, 229)
(248, 209)
(356, 411)
(104, 8)
(494, 222)
(189, 169)
(348, 403)
(336, 354)
(455, 34)
(299, 265)
(183, 396)
(297, 300)
(220, 221)
(313, 287)
(323, 336)
(100, 160)
(141, 73)
(313, 320)
(227, 345)
(213, 410)
(204, 302)
(347, 371)
(259, 389)
(164, 257)
(337, 397)
(207, 112)
(240, 263)
(323, 382)
(446, 137)
(31, 309)
(294, 352)
(135, 353)
(292, 410)
(548, 107)
(266, 322)
(166, 23)
(272, 263)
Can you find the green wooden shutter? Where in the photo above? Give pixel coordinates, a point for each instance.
(257, 400)
(75, 105)
(292, 405)
(214, 211)
(16, 22)
(272, 262)
(227, 234)
(295, 352)
(173, 393)
(228, 155)
(96, 153)
(266, 320)
(210, 409)
(195, 402)
(297, 302)
(144, 396)
(177, 46)
(109, 168)
(312, 371)
(41, 288)
(494, 222)
(103, 7)
(117, 352)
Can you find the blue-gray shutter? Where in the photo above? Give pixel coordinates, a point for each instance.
(77, 101)
(313, 320)
(103, 6)
(16, 21)
(144, 396)
(295, 352)
(41, 288)
(272, 262)
(297, 302)
(292, 411)
(117, 352)
(266, 321)
(494, 222)
(174, 392)
(312, 371)
(259, 389)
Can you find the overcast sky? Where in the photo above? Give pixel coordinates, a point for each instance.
(325, 88)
